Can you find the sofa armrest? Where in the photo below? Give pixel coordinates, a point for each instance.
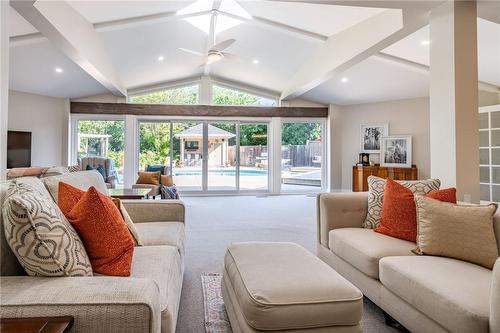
(495, 299)
(340, 210)
(155, 210)
(98, 304)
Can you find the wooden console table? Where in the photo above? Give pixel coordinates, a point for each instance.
(36, 325)
(360, 175)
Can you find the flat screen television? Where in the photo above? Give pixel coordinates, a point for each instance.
(18, 149)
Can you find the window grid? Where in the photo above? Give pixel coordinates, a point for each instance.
(493, 186)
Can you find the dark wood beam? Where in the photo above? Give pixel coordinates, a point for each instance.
(196, 110)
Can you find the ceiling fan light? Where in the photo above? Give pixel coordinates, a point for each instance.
(213, 57)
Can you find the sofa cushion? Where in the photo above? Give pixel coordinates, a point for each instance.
(281, 286)
(363, 248)
(454, 293)
(82, 180)
(39, 235)
(162, 233)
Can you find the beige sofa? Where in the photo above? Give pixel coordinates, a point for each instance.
(423, 293)
(147, 301)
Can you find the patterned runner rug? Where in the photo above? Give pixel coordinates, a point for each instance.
(216, 320)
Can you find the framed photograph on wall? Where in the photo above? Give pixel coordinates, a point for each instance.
(370, 137)
(395, 151)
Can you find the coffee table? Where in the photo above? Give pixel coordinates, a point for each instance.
(36, 325)
(129, 193)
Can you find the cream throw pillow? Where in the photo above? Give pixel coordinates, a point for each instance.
(128, 221)
(39, 235)
(456, 231)
(376, 187)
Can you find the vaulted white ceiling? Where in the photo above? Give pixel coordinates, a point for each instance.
(282, 36)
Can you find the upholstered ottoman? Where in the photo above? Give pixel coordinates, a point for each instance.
(281, 287)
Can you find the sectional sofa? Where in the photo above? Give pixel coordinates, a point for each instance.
(424, 293)
(147, 301)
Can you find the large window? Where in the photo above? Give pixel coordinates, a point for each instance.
(154, 144)
(489, 155)
(301, 156)
(227, 96)
(181, 95)
(103, 138)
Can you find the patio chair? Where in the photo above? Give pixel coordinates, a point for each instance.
(110, 174)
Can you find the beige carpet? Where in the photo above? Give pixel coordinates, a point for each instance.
(215, 222)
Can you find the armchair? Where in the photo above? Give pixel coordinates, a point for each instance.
(110, 174)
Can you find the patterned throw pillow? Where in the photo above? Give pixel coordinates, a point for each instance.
(39, 235)
(169, 192)
(463, 232)
(376, 187)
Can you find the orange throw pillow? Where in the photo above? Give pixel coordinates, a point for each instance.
(67, 197)
(445, 195)
(102, 229)
(399, 214)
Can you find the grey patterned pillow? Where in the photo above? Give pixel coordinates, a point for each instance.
(39, 235)
(376, 187)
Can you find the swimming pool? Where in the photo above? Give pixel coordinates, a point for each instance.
(221, 172)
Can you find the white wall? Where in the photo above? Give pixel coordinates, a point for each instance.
(404, 117)
(46, 118)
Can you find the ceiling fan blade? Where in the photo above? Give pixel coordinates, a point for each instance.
(192, 52)
(223, 45)
(229, 55)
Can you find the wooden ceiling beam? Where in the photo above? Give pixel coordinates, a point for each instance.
(196, 110)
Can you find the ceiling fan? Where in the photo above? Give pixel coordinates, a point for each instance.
(215, 53)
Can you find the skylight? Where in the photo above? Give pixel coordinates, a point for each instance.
(223, 22)
(196, 7)
(201, 22)
(232, 7)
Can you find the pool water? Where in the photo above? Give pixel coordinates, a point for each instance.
(221, 172)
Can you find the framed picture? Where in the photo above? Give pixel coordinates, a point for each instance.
(395, 151)
(370, 137)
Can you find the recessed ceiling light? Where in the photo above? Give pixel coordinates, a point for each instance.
(255, 61)
(344, 79)
(161, 58)
(425, 42)
(58, 70)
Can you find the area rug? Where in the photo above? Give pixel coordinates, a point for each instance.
(216, 320)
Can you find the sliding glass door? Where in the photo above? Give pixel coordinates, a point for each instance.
(301, 157)
(254, 157)
(188, 154)
(222, 156)
(215, 156)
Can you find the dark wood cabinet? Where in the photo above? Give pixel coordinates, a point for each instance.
(360, 175)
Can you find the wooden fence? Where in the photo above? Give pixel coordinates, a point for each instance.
(308, 155)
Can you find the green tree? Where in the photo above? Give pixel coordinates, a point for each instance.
(299, 133)
(183, 95)
(116, 141)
